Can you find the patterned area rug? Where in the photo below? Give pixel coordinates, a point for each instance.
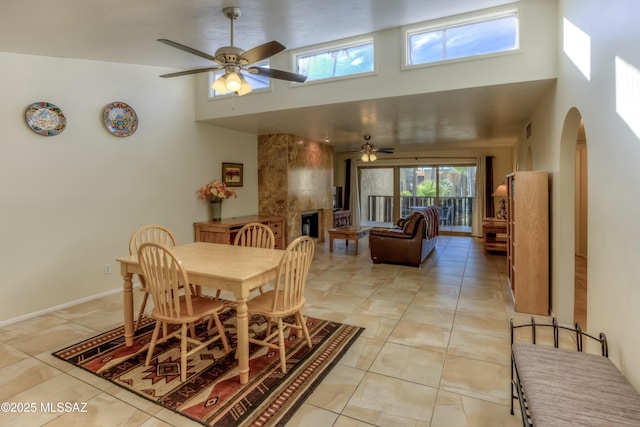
(212, 393)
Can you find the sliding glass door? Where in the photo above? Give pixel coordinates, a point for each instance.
(388, 193)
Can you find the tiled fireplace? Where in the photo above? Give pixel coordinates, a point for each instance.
(295, 176)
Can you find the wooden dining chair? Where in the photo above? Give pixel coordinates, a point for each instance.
(286, 298)
(255, 235)
(148, 233)
(174, 304)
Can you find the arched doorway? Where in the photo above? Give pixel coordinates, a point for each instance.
(569, 269)
(581, 230)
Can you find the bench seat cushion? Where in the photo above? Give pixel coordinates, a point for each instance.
(570, 388)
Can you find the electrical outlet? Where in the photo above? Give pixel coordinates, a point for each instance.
(107, 269)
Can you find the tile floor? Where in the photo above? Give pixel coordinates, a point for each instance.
(435, 351)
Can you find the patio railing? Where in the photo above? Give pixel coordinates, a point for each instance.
(454, 211)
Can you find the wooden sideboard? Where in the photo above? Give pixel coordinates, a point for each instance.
(341, 219)
(225, 230)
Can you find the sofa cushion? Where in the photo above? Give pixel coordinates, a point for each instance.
(396, 233)
(411, 225)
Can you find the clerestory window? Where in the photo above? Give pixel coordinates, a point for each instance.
(478, 35)
(336, 61)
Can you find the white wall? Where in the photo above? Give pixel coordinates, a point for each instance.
(613, 30)
(70, 202)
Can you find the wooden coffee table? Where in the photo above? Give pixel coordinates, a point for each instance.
(348, 233)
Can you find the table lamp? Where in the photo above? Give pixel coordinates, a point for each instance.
(501, 191)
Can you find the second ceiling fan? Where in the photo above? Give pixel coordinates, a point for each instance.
(235, 61)
(369, 151)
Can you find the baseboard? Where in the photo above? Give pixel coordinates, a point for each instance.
(62, 306)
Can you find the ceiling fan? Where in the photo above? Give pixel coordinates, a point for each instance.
(369, 151)
(235, 61)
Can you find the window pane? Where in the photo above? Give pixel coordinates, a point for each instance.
(496, 35)
(336, 63)
(482, 37)
(426, 47)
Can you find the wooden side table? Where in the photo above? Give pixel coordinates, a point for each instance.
(494, 234)
(348, 233)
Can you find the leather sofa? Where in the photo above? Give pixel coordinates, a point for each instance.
(409, 242)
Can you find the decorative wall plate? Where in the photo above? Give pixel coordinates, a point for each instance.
(120, 119)
(45, 119)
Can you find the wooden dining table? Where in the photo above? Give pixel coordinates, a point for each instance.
(238, 269)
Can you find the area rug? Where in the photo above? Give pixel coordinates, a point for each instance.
(212, 393)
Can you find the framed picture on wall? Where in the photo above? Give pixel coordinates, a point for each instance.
(232, 174)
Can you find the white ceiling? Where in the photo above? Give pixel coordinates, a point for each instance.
(126, 31)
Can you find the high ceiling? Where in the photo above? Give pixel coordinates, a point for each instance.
(126, 31)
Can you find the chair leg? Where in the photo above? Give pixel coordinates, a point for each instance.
(268, 319)
(183, 353)
(141, 313)
(220, 328)
(152, 344)
(283, 355)
(303, 325)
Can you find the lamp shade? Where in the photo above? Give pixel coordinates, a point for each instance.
(233, 82)
(245, 87)
(220, 85)
(500, 191)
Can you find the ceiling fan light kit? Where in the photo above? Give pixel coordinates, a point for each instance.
(369, 157)
(234, 61)
(369, 151)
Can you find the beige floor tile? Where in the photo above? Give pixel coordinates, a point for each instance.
(309, 415)
(476, 378)
(362, 353)
(375, 326)
(481, 347)
(23, 375)
(381, 307)
(9, 355)
(433, 316)
(481, 325)
(45, 397)
(51, 336)
(154, 422)
(429, 300)
(385, 401)
(422, 336)
(336, 388)
(488, 307)
(456, 410)
(401, 296)
(409, 363)
(102, 410)
(349, 422)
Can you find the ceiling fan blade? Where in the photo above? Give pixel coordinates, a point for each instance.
(184, 73)
(277, 74)
(187, 49)
(261, 52)
(385, 150)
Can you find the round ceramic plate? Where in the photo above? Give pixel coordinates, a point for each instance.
(45, 119)
(120, 119)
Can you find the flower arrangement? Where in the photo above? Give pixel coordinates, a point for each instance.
(216, 189)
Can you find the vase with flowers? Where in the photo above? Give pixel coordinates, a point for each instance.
(215, 192)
